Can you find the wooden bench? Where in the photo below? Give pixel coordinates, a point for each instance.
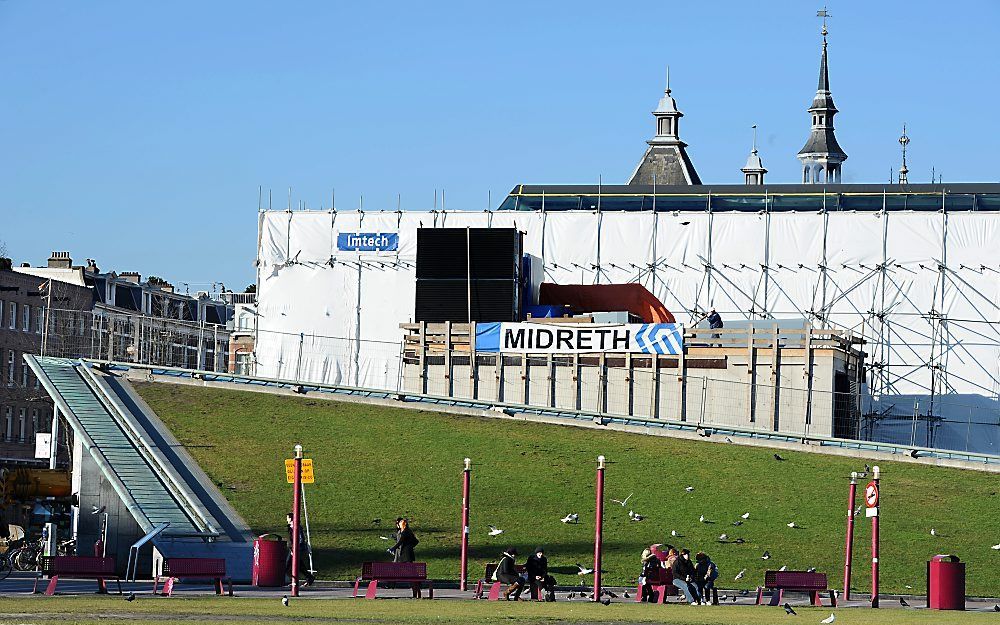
(662, 586)
(795, 581)
(494, 593)
(376, 572)
(77, 567)
(193, 568)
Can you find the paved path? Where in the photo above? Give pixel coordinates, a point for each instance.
(20, 584)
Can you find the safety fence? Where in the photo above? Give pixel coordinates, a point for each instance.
(629, 389)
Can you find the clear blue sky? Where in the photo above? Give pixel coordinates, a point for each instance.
(137, 133)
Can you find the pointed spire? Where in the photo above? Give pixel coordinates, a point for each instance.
(903, 142)
(822, 156)
(753, 171)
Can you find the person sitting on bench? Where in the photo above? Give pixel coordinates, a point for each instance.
(506, 572)
(684, 573)
(706, 572)
(537, 568)
(650, 571)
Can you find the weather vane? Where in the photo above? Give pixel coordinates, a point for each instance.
(824, 14)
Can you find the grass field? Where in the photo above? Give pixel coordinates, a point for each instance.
(111, 610)
(377, 462)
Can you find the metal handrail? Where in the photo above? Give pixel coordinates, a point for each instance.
(823, 441)
(172, 480)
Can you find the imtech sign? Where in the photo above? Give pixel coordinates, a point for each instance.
(367, 241)
(542, 338)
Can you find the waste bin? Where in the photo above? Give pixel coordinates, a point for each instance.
(945, 583)
(270, 553)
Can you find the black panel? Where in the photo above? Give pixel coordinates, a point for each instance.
(446, 300)
(441, 253)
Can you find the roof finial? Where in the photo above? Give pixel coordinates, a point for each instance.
(903, 142)
(754, 150)
(824, 14)
(667, 90)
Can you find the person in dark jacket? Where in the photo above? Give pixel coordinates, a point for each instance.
(402, 551)
(706, 572)
(506, 572)
(537, 568)
(684, 576)
(650, 572)
(303, 552)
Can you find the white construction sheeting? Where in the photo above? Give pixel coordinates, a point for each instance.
(920, 286)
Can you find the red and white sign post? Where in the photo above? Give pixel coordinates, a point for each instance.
(296, 504)
(466, 488)
(849, 548)
(599, 528)
(871, 502)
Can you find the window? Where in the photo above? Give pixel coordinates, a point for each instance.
(24, 374)
(12, 316)
(69, 323)
(34, 421)
(26, 318)
(1, 313)
(81, 326)
(21, 418)
(10, 367)
(40, 322)
(8, 423)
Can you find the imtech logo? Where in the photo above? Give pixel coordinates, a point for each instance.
(368, 241)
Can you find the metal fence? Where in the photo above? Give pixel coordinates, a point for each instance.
(962, 423)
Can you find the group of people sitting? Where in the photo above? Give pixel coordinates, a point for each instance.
(695, 580)
(535, 575)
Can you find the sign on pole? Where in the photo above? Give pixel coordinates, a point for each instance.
(871, 499)
(307, 471)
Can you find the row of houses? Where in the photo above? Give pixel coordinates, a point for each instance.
(78, 311)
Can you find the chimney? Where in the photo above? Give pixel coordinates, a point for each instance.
(167, 288)
(92, 266)
(60, 260)
(130, 276)
(5, 264)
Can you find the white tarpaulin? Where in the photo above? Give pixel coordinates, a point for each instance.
(922, 287)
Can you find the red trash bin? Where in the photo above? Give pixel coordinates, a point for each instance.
(270, 553)
(945, 583)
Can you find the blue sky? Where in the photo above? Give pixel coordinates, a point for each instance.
(137, 133)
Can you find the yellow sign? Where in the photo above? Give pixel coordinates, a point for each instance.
(307, 471)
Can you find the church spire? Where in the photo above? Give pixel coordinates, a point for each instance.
(666, 161)
(822, 156)
(753, 171)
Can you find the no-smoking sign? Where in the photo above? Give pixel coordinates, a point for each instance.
(871, 495)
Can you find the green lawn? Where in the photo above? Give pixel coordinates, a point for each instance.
(376, 462)
(228, 611)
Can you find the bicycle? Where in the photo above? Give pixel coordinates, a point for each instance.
(6, 565)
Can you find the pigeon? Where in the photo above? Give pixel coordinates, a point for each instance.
(674, 533)
(583, 570)
(702, 519)
(766, 556)
(284, 600)
(792, 525)
(723, 598)
(783, 568)
(996, 608)
(606, 602)
(689, 488)
(495, 531)
(729, 440)
(745, 516)
(914, 453)
(867, 468)
(376, 521)
(778, 458)
(789, 610)
(740, 575)
(635, 516)
(571, 518)
(571, 595)
(130, 597)
(903, 603)
(608, 593)
(933, 532)
(996, 547)
(910, 587)
(723, 537)
(829, 619)
(626, 595)
(623, 502)
(739, 541)
(737, 523)
(811, 569)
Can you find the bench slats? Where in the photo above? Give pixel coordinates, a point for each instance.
(194, 567)
(795, 580)
(389, 571)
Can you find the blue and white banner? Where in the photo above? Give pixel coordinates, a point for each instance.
(367, 241)
(565, 338)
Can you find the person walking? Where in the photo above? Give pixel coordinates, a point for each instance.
(402, 551)
(303, 552)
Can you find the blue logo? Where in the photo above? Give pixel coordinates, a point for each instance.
(367, 241)
(660, 338)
